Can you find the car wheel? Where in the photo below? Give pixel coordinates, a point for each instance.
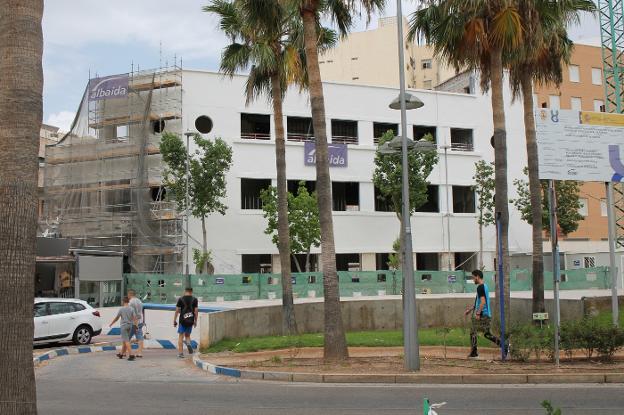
(82, 335)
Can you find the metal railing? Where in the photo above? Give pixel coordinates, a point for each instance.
(255, 136)
(344, 139)
(300, 137)
(462, 146)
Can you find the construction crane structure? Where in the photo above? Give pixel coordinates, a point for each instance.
(612, 40)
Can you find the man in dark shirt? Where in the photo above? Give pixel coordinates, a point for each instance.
(187, 309)
(481, 314)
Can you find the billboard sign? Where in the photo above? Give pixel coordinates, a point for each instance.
(337, 154)
(115, 86)
(579, 145)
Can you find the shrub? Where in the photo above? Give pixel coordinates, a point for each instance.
(528, 339)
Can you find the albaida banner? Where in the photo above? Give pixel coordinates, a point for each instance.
(109, 87)
(337, 154)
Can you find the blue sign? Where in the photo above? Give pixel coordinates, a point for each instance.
(337, 154)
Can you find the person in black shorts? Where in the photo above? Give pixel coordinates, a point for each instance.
(187, 309)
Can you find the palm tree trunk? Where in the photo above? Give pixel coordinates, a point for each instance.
(335, 347)
(535, 190)
(500, 158)
(289, 325)
(21, 110)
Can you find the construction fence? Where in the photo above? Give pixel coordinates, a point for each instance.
(164, 289)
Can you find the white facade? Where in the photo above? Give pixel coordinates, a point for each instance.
(365, 231)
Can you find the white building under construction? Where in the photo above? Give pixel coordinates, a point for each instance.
(103, 180)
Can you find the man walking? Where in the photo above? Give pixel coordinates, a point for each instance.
(481, 315)
(128, 319)
(187, 309)
(137, 331)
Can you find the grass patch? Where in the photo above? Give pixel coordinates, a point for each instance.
(427, 337)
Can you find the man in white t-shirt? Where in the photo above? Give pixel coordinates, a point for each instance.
(137, 331)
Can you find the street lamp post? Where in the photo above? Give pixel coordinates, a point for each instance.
(187, 275)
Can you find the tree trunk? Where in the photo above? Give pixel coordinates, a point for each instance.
(535, 190)
(307, 263)
(296, 263)
(500, 158)
(335, 347)
(289, 325)
(481, 245)
(21, 84)
(204, 269)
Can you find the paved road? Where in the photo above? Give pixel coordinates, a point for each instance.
(162, 384)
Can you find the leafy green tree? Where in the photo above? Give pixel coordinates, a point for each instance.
(545, 50)
(303, 214)
(208, 166)
(387, 176)
(476, 35)
(394, 259)
(484, 189)
(267, 38)
(568, 204)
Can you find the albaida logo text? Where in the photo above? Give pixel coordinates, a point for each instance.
(109, 87)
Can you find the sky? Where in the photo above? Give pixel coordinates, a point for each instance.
(88, 38)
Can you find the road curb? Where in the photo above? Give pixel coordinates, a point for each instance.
(103, 347)
(466, 379)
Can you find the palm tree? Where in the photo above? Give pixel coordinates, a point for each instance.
(545, 49)
(268, 38)
(341, 13)
(476, 34)
(21, 111)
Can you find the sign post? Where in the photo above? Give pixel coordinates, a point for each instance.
(554, 240)
(612, 265)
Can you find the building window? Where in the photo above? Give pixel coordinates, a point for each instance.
(432, 204)
(589, 262)
(576, 103)
(250, 192)
(293, 186)
(461, 139)
(346, 196)
(555, 102)
(420, 131)
(596, 76)
(426, 63)
(256, 263)
(381, 262)
(299, 129)
(344, 132)
(427, 261)
(117, 196)
(599, 105)
(463, 199)
(603, 207)
(255, 127)
(583, 209)
(574, 73)
(382, 203)
(380, 128)
(427, 84)
(348, 262)
(299, 265)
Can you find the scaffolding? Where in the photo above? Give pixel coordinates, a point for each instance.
(103, 180)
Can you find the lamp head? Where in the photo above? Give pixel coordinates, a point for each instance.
(411, 102)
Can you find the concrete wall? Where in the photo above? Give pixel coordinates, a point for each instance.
(360, 315)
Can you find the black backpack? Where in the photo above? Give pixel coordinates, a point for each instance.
(187, 317)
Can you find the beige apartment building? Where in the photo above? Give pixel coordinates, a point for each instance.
(371, 58)
(582, 89)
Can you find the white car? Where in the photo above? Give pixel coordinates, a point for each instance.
(65, 319)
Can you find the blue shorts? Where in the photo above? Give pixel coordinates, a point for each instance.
(137, 332)
(184, 329)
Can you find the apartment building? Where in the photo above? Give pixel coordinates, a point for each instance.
(582, 89)
(371, 58)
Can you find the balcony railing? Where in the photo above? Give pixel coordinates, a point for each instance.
(255, 136)
(344, 139)
(300, 137)
(462, 147)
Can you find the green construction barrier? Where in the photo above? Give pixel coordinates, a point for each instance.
(165, 289)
